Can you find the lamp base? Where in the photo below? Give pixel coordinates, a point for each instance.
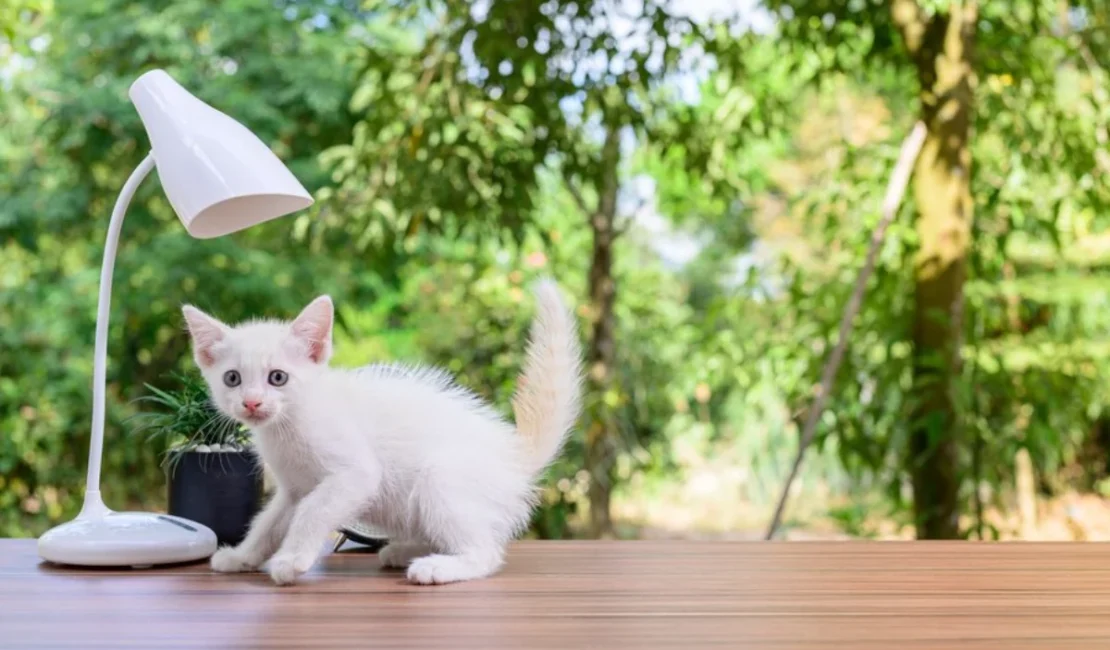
(135, 539)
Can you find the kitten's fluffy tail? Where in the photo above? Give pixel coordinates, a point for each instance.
(548, 396)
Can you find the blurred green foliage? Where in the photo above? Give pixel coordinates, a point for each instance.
(727, 177)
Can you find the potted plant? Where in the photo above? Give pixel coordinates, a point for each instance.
(214, 477)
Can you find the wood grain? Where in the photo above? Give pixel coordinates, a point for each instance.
(622, 595)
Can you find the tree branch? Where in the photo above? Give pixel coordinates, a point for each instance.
(579, 200)
(911, 21)
(625, 224)
(896, 188)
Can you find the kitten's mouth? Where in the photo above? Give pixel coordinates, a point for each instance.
(254, 418)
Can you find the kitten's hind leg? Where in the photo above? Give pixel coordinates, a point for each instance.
(439, 569)
(400, 553)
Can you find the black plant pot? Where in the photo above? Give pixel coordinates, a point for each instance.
(222, 490)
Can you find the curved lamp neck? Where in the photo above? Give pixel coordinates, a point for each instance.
(94, 504)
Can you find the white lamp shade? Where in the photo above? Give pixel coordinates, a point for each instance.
(219, 177)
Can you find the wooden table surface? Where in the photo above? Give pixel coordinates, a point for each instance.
(620, 595)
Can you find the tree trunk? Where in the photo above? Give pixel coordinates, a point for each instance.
(942, 187)
(601, 431)
(1025, 484)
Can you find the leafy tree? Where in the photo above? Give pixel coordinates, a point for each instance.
(459, 114)
(942, 50)
(471, 146)
(284, 70)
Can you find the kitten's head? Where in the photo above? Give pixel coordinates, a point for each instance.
(253, 370)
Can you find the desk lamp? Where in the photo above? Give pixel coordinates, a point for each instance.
(219, 178)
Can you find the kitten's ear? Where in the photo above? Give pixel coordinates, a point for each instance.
(206, 332)
(313, 328)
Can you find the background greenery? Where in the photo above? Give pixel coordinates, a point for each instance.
(702, 177)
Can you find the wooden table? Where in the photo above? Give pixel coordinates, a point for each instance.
(619, 595)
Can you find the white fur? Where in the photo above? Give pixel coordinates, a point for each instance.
(402, 448)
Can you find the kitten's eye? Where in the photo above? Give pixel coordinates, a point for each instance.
(278, 377)
(232, 378)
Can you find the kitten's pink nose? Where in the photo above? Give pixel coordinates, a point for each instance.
(251, 405)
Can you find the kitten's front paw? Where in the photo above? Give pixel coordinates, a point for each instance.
(229, 559)
(286, 567)
(440, 570)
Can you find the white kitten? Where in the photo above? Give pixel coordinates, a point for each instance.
(404, 449)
